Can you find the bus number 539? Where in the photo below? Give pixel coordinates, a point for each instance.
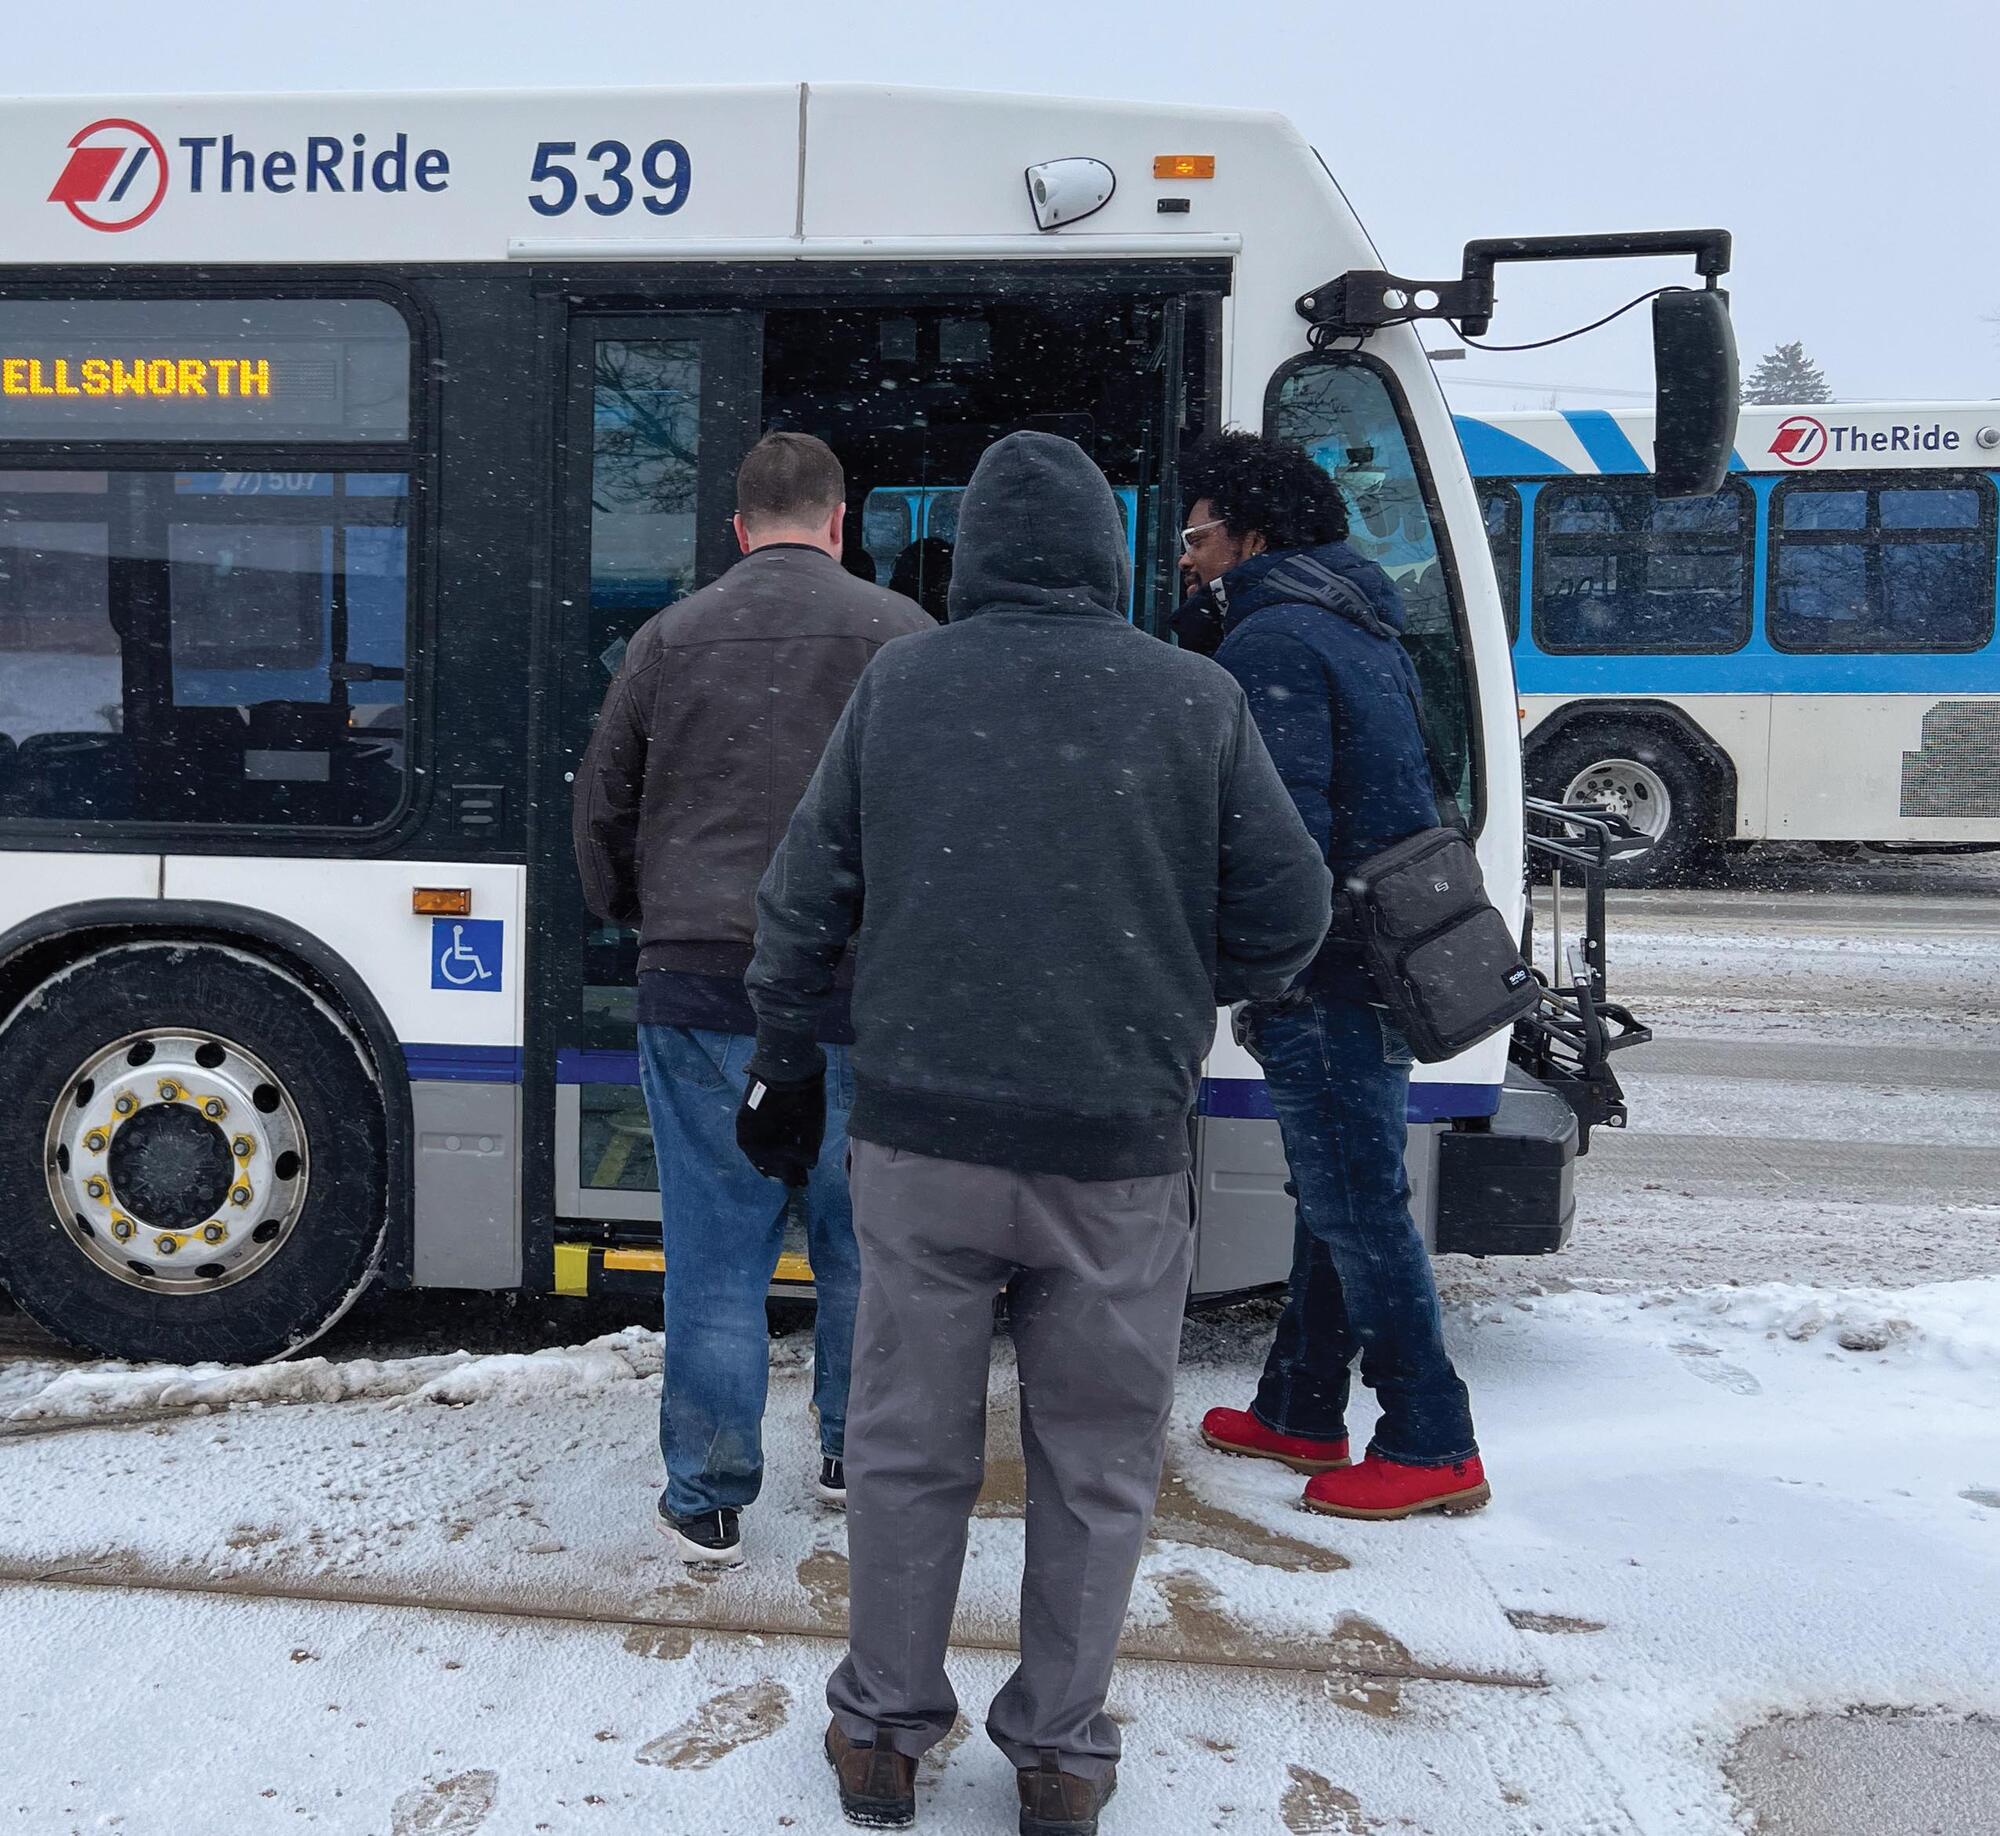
(663, 169)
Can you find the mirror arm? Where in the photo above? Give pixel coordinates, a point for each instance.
(1363, 300)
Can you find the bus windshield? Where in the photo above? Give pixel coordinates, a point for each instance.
(1343, 411)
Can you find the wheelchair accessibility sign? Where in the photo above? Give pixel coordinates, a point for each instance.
(466, 954)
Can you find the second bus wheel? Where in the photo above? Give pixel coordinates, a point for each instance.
(193, 1164)
(1640, 775)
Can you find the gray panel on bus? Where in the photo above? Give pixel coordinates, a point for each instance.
(1245, 1214)
(467, 1224)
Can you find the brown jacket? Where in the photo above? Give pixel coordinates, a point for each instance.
(705, 744)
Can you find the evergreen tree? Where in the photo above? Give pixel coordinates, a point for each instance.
(1786, 375)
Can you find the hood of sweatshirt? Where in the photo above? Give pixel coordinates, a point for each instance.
(1039, 531)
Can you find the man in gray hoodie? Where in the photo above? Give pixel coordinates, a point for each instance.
(1061, 844)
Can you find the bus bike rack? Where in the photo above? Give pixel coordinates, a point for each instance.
(1567, 1041)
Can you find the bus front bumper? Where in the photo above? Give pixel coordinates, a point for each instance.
(1508, 1188)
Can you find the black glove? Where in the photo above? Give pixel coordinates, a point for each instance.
(780, 1127)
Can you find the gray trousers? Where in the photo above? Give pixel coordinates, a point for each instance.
(1096, 1272)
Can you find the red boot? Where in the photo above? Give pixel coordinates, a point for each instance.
(1389, 1488)
(1237, 1431)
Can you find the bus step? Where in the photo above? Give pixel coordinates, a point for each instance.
(592, 1268)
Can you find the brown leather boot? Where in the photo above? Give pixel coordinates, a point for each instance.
(878, 1785)
(1058, 1803)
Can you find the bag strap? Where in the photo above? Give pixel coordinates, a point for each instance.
(1350, 603)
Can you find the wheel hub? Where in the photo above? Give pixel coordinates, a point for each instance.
(170, 1167)
(1629, 789)
(176, 1161)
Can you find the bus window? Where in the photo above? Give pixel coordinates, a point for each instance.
(1882, 566)
(209, 647)
(1341, 410)
(1619, 572)
(885, 530)
(1500, 509)
(942, 521)
(645, 425)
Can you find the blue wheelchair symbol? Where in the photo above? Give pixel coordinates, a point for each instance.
(466, 954)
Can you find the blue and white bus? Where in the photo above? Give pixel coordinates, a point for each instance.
(1808, 655)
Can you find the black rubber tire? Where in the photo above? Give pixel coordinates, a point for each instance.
(1690, 841)
(332, 1251)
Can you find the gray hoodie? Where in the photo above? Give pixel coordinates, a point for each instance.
(1062, 844)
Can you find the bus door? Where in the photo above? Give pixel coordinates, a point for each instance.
(659, 410)
(909, 388)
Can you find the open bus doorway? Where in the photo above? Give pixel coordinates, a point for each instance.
(909, 396)
(909, 392)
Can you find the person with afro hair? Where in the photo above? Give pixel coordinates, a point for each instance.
(1313, 632)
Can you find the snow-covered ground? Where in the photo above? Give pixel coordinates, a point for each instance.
(437, 1604)
(1744, 1437)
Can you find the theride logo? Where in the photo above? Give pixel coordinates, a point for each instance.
(116, 176)
(1799, 440)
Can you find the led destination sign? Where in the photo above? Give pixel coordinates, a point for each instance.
(203, 369)
(240, 377)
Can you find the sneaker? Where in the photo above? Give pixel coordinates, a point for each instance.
(1237, 1431)
(1389, 1488)
(713, 1538)
(878, 1785)
(831, 1484)
(1058, 1803)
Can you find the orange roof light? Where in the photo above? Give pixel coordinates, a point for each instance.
(1183, 165)
(441, 901)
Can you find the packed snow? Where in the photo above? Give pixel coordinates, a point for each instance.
(1744, 1438)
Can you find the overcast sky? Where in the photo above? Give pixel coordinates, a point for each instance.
(1849, 144)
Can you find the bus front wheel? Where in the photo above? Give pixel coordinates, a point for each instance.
(193, 1163)
(1646, 779)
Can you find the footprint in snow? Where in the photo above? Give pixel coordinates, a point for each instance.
(1707, 1364)
(751, 1711)
(1313, 1805)
(451, 1807)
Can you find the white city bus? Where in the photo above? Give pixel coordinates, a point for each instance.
(1808, 654)
(344, 440)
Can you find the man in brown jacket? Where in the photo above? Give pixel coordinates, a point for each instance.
(710, 732)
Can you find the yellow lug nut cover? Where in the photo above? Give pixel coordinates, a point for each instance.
(169, 1090)
(214, 1109)
(95, 1140)
(166, 1245)
(213, 1233)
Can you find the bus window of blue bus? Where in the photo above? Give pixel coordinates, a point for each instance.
(1500, 510)
(1621, 572)
(1882, 566)
(1342, 411)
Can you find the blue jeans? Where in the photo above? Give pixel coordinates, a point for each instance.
(1339, 1077)
(723, 1224)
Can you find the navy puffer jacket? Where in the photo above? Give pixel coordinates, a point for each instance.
(1331, 692)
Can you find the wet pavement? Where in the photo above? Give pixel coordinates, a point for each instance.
(1872, 1772)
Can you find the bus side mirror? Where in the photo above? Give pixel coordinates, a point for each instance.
(1694, 371)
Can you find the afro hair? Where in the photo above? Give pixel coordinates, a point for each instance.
(1266, 487)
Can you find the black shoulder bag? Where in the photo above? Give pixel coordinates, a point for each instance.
(1440, 958)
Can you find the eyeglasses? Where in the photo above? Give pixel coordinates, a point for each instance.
(1194, 529)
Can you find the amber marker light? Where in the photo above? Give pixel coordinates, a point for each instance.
(1183, 165)
(441, 901)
